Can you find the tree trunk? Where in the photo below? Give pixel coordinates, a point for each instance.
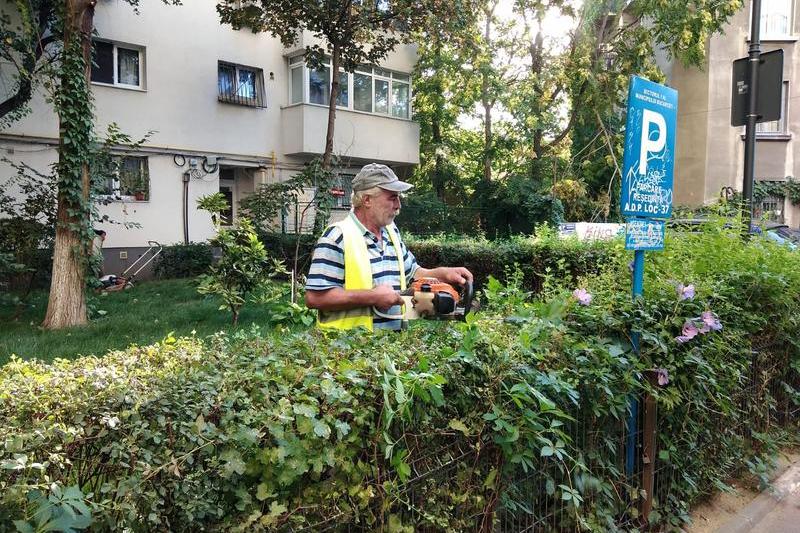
(336, 57)
(487, 107)
(67, 303)
(436, 122)
(536, 68)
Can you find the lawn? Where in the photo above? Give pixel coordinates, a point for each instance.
(142, 315)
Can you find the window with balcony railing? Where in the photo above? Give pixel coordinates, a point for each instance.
(238, 84)
(369, 89)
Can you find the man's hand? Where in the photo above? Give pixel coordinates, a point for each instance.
(384, 297)
(455, 275)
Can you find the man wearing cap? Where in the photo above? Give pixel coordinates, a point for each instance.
(360, 264)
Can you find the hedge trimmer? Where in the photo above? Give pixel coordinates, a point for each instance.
(436, 300)
(432, 299)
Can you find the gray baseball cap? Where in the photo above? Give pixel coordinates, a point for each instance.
(376, 175)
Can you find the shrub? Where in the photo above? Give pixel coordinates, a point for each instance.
(517, 416)
(242, 269)
(425, 214)
(183, 261)
(538, 258)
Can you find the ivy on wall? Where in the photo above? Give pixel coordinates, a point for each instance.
(786, 189)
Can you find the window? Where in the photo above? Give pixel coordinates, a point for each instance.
(319, 86)
(776, 127)
(296, 67)
(237, 84)
(368, 89)
(769, 208)
(118, 65)
(362, 92)
(343, 98)
(130, 179)
(776, 16)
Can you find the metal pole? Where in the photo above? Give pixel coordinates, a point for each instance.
(752, 116)
(633, 402)
(185, 208)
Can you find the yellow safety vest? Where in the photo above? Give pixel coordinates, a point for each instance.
(358, 272)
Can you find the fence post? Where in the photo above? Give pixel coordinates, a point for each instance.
(649, 449)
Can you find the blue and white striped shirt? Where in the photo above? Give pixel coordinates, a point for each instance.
(327, 268)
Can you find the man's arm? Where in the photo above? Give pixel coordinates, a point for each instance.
(337, 298)
(456, 275)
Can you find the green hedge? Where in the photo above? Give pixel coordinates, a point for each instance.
(183, 261)
(538, 258)
(517, 417)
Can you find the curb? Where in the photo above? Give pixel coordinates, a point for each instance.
(785, 485)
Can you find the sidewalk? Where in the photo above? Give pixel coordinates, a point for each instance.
(776, 510)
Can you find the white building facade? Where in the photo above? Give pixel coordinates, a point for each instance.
(709, 152)
(229, 108)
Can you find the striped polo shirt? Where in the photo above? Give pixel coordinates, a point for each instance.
(327, 268)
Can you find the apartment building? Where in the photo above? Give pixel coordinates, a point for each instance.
(228, 110)
(709, 152)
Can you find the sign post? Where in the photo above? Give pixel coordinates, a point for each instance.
(646, 200)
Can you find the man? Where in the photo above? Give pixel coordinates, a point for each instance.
(360, 263)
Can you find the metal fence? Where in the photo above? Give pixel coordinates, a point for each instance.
(638, 483)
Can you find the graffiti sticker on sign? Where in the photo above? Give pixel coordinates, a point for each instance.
(649, 149)
(644, 234)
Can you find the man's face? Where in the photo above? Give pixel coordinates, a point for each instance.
(384, 206)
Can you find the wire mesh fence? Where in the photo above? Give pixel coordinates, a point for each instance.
(627, 468)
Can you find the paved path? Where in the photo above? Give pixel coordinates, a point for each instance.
(773, 511)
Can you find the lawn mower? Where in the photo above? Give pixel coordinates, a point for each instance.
(112, 283)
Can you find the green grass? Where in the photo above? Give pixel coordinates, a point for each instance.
(141, 315)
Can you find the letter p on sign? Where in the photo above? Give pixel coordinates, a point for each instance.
(649, 145)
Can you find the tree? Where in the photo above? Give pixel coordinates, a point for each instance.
(354, 32)
(26, 33)
(244, 265)
(28, 29)
(612, 41)
(443, 90)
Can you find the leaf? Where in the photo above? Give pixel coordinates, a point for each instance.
(321, 429)
(263, 492)
(399, 391)
(23, 527)
(615, 350)
(546, 451)
(200, 423)
(233, 463)
(458, 425)
(437, 395)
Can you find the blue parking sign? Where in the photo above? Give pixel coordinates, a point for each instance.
(649, 156)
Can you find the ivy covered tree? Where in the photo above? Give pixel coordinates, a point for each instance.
(351, 32)
(50, 41)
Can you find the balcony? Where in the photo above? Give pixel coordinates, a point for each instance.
(363, 136)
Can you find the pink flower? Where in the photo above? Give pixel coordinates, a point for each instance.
(685, 292)
(710, 321)
(663, 376)
(583, 296)
(689, 332)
